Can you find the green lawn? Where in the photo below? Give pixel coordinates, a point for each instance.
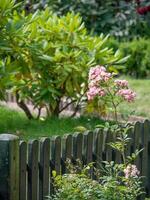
(141, 106)
(15, 122)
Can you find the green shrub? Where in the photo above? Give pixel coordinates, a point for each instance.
(74, 186)
(118, 18)
(47, 57)
(138, 64)
(110, 186)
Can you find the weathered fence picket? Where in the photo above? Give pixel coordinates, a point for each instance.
(87, 147)
(109, 149)
(145, 170)
(44, 170)
(137, 140)
(98, 147)
(77, 146)
(33, 170)
(23, 170)
(55, 156)
(9, 167)
(66, 151)
(26, 168)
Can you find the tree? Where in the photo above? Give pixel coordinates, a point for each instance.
(48, 58)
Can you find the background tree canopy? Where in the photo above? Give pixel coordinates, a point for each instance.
(124, 19)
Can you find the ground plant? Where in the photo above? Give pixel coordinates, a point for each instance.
(109, 184)
(114, 181)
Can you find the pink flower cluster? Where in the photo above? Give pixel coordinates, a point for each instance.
(98, 73)
(93, 91)
(127, 94)
(100, 81)
(131, 171)
(121, 83)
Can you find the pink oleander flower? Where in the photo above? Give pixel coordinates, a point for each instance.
(94, 91)
(93, 83)
(101, 92)
(121, 83)
(105, 76)
(127, 94)
(98, 74)
(131, 171)
(96, 71)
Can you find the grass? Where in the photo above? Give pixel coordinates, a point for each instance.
(15, 122)
(141, 106)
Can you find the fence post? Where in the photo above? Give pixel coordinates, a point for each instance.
(9, 167)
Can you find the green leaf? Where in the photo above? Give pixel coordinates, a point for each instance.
(46, 57)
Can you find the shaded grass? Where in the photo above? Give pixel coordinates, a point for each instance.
(141, 106)
(15, 122)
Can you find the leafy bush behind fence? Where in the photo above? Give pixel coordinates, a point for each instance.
(138, 63)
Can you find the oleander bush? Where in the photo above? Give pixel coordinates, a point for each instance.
(45, 57)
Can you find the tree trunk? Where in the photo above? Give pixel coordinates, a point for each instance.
(24, 107)
(56, 111)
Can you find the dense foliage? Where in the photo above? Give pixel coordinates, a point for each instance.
(45, 57)
(138, 63)
(111, 183)
(124, 19)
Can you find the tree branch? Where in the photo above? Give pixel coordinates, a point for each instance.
(78, 103)
(67, 105)
(24, 107)
(39, 113)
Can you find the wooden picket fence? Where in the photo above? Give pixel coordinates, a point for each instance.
(26, 167)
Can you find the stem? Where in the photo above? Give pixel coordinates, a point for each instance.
(123, 152)
(123, 155)
(115, 112)
(78, 103)
(114, 106)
